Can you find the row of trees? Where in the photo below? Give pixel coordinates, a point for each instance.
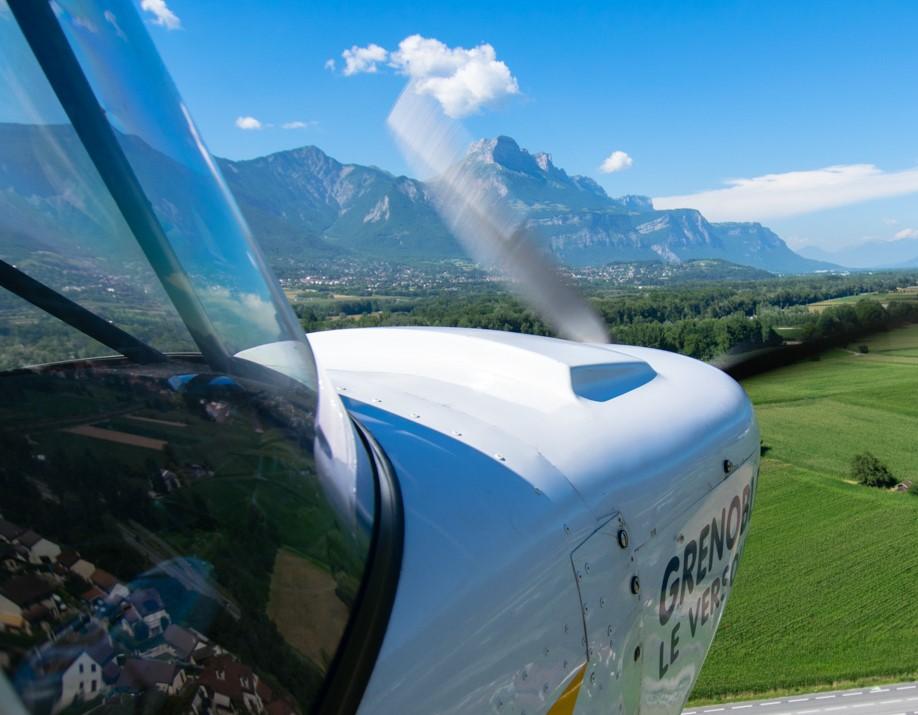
(702, 321)
(844, 322)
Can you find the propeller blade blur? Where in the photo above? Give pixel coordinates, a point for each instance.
(491, 231)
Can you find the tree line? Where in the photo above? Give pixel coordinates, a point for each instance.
(702, 321)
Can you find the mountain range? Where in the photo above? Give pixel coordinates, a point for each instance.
(302, 199)
(302, 203)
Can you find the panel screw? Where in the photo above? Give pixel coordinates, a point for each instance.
(635, 585)
(602, 603)
(567, 530)
(637, 653)
(586, 566)
(623, 538)
(728, 466)
(593, 677)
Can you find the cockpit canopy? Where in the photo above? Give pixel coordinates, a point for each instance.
(185, 517)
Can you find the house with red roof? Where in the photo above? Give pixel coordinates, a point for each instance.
(227, 686)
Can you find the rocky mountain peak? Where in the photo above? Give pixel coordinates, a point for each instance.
(303, 202)
(504, 152)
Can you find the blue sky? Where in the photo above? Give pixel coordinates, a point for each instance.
(697, 94)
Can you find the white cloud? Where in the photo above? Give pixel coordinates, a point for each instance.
(362, 59)
(906, 233)
(890, 221)
(616, 161)
(329, 65)
(462, 80)
(298, 125)
(795, 192)
(248, 123)
(162, 15)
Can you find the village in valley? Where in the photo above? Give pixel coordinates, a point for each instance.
(76, 638)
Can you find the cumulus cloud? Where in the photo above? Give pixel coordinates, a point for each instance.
(462, 80)
(363, 59)
(162, 15)
(906, 233)
(298, 125)
(616, 161)
(248, 123)
(329, 65)
(795, 192)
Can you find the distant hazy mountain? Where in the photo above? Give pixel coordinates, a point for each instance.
(873, 254)
(302, 202)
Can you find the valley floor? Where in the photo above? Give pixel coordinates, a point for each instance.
(828, 591)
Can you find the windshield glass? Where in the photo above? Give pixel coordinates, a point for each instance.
(189, 534)
(59, 225)
(167, 542)
(144, 149)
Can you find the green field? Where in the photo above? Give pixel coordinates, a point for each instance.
(828, 591)
(910, 294)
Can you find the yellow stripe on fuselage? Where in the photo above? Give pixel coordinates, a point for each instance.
(565, 704)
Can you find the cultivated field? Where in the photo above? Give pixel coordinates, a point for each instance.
(305, 607)
(828, 590)
(910, 293)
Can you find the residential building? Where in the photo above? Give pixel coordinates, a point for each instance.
(41, 550)
(227, 686)
(143, 674)
(11, 618)
(71, 560)
(148, 605)
(82, 680)
(108, 583)
(9, 531)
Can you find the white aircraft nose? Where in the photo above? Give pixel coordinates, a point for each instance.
(548, 488)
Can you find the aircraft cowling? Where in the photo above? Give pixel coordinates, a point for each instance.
(521, 479)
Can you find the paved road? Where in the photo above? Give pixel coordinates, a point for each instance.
(901, 699)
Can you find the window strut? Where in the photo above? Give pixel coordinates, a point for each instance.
(75, 315)
(57, 59)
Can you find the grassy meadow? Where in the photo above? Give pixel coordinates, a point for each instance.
(884, 297)
(828, 591)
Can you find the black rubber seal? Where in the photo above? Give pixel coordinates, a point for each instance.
(353, 663)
